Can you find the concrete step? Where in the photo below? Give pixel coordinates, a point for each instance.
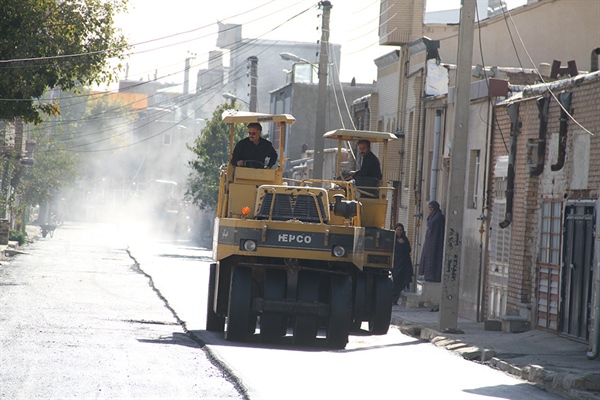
(515, 324)
(427, 295)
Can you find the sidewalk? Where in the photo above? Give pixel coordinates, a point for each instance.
(555, 364)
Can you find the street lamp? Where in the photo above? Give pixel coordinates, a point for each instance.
(233, 97)
(303, 71)
(292, 57)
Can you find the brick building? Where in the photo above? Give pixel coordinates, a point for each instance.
(543, 255)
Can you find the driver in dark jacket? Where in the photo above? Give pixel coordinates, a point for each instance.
(370, 166)
(252, 151)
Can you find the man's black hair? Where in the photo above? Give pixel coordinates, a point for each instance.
(255, 125)
(365, 141)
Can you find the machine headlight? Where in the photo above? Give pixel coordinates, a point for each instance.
(339, 251)
(249, 245)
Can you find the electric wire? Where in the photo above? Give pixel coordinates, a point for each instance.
(171, 44)
(128, 46)
(112, 110)
(159, 115)
(487, 82)
(504, 12)
(171, 126)
(242, 43)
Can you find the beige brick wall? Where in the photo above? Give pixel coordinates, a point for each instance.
(529, 191)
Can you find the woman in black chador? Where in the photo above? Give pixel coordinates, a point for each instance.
(433, 247)
(403, 269)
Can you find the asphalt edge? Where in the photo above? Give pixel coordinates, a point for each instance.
(566, 385)
(228, 374)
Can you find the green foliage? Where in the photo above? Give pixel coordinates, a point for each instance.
(17, 236)
(212, 152)
(39, 31)
(53, 168)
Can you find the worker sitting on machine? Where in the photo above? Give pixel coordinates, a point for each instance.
(253, 151)
(369, 173)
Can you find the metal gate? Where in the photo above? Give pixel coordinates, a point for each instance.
(577, 270)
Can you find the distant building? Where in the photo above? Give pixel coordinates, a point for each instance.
(299, 99)
(272, 70)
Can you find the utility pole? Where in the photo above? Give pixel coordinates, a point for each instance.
(456, 191)
(186, 87)
(253, 80)
(186, 75)
(322, 93)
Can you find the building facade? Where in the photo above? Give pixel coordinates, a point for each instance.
(547, 209)
(493, 284)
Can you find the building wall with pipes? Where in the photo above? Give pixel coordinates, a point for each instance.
(555, 167)
(416, 130)
(572, 26)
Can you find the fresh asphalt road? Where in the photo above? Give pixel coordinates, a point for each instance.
(393, 366)
(80, 320)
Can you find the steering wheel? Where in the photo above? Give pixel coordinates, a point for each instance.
(253, 164)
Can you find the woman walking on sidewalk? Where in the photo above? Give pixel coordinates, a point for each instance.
(402, 273)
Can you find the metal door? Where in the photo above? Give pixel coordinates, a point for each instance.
(577, 271)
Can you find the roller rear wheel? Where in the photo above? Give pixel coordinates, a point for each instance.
(306, 326)
(360, 301)
(239, 312)
(381, 313)
(340, 312)
(214, 322)
(273, 325)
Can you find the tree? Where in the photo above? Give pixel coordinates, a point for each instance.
(54, 43)
(54, 167)
(212, 151)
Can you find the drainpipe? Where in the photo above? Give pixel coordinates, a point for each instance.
(513, 113)
(565, 101)
(417, 184)
(593, 354)
(543, 104)
(436, 154)
(594, 64)
(483, 217)
(596, 330)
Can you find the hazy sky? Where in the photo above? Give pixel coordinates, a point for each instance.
(168, 32)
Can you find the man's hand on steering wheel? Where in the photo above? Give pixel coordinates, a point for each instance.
(251, 164)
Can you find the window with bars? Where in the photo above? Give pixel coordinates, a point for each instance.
(550, 232)
(500, 188)
(500, 238)
(500, 177)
